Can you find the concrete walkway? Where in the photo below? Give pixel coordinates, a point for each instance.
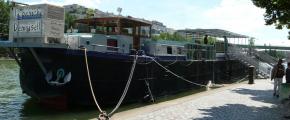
(235, 102)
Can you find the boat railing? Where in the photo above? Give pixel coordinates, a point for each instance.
(200, 52)
(265, 57)
(107, 48)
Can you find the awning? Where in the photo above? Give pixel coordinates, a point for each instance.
(214, 33)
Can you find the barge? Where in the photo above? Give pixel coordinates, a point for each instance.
(103, 58)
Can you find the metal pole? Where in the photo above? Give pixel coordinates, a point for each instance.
(213, 72)
(38, 61)
(251, 74)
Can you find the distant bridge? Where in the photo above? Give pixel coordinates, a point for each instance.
(267, 47)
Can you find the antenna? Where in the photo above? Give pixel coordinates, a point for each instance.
(119, 10)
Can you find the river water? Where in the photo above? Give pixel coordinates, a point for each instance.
(14, 105)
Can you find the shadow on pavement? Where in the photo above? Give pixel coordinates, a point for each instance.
(265, 96)
(241, 112)
(244, 112)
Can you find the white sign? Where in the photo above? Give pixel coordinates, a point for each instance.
(27, 13)
(33, 26)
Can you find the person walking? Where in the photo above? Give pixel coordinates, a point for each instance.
(288, 73)
(287, 104)
(277, 74)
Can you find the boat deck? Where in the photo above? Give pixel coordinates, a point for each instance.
(31, 45)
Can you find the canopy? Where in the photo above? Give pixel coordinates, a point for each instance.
(214, 33)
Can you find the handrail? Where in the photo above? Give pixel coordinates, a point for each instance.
(100, 45)
(242, 54)
(265, 57)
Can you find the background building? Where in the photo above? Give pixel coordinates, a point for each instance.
(81, 12)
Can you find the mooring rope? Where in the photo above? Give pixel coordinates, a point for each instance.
(189, 63)
(175, 61)
(90, 82)
(103, 114)
(176, 74)
(145, 62)
(127, 86)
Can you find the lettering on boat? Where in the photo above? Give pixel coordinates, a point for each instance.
(27, 26)
(27, 13)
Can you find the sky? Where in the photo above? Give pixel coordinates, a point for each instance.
(239, 16)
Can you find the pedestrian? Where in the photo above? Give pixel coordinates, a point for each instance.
(287, 104)
(205, 40)
(288, 73)
(277, 74)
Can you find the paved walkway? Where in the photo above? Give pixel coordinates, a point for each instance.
(236, 102)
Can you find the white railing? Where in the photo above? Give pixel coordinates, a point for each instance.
(244, 55)
(265, 57)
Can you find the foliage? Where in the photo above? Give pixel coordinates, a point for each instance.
(251, 42)
(4, 17)
(211, 40)
(3, 52)
(168, 36)
(89, 13)
(277, 12)
(276, 54)
(178, 37)
(4, 23)
(69, 21)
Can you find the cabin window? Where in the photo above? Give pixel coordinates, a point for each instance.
(112, 44)
(169, 50)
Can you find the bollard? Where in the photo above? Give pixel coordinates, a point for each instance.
(251, 74)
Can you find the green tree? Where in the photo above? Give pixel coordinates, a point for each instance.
(90, 13)
(168, 36)
(251, 42)
(4, 23)
(277, 12)
(69, 21)
(251, 45)
(211, 40)
(4, 18)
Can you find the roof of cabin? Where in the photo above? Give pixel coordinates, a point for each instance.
(170, 42)
(214, 33)
(113, 21)
(175, 43)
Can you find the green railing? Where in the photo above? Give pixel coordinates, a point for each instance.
(200, 52)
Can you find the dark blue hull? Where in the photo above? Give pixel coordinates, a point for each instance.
(110, 72)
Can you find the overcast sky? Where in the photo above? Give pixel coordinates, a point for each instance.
(239, 16)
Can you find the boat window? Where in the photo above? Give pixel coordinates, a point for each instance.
(169, 50)
(112, 44)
